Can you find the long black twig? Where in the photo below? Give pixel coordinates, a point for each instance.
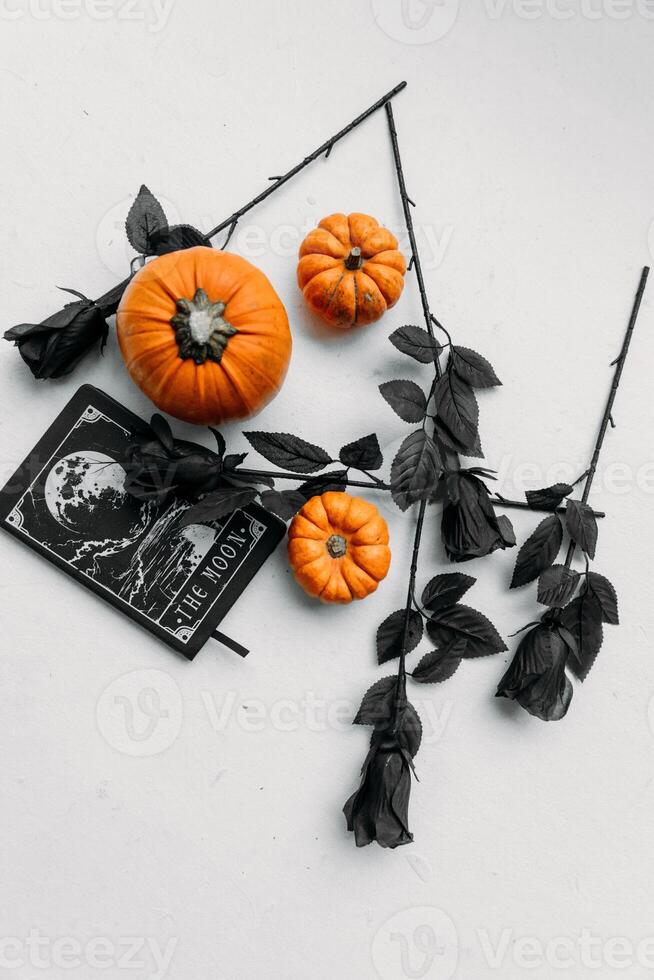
(607, 417)
(109, 301)
(325, 148)
(416, 264)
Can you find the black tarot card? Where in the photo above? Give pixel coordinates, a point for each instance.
(67, 502)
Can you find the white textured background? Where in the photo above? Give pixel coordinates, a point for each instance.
(527, 136)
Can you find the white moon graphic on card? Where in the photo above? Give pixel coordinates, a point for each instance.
(85, 493)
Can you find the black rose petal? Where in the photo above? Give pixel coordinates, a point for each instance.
(379, 809)
(470, 528)
(536, 678)
(157, 464)
(53, 348)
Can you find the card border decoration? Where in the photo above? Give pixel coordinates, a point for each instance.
(427, 468)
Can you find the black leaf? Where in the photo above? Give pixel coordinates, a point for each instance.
(288, 451)
(232, 460)
(146, 220)
(583, 617)
(335, 481)
(538, 552)
(445, 590)
(363, 454)
(457, 407)
(410, 730)
(446, 439)
(606, 595)
(550, 498)
(415, 470)
(417, 343)
(220, 440)
(473, 368)
(582, 526)
(391, 634)
(440, 665)
(406, 398)
(218, 504)
(461, 622)
(557, 585)
(175, 238)
(284, 503)
(376, 706)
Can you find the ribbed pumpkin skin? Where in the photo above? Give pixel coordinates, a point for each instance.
(366, 560)
(256, 357)
(340, 296)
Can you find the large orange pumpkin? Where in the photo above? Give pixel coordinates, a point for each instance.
(338, 547)
(350, 270)
(204, 335)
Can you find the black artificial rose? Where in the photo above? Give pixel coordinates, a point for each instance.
(52, 348)
(378, 811)
(470, 528)
(536, 678)
(158, 464)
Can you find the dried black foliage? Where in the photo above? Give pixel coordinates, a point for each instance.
(446, 440)
(391, 632)
(53, 348)
(417, 343)
(145, 220)
(557, 585)
(218, 504)
(599, 586)
(175, 238)
(538, 552)
(334, 481)
(458, 409)
(440, 665)
(289, 451)
(406, 398)
(460, 622)
(363, 454)
(470, 528)
(550, 498)
(583, 618)
(415, 470)
(445, 590)
(158, 464)
(376, 708)
(473, 368)
(536, 677)
(582, 526)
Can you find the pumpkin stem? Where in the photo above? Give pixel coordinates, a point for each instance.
(200, 330)
(354, 260)
(337, 546)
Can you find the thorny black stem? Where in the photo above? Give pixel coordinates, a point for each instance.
(416, 264)
(324, 148)
(608, 417)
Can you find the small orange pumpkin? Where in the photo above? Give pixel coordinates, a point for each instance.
(204, 335)
(338, 547)
(350, 270)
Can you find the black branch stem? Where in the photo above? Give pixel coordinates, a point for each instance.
(417, 265)
(325, 148)
(110, 300)
(375, 484)
(608, 411)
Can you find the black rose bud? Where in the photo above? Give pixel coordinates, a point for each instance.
(158, 464)
(470, 528)
(379, 808)
(53, 348)
(536, 678)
